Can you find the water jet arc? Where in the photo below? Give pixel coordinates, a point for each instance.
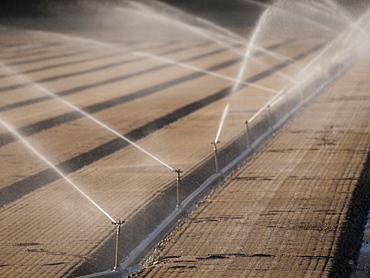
(31, 148)
(87, 115)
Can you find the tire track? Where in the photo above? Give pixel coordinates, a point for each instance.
(56, 56)
(32, 51)
(75, 62)
(99, 68)
(18, 189)
(34, 128)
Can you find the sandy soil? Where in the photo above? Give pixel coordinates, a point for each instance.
(48, 228)
(295, 209)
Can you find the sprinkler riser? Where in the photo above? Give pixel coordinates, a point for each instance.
(118, 232)
(178, 181)
(216, 155)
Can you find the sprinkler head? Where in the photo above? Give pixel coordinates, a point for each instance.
(178, 171)
(118, 223)
(215, 145)
(118, 228)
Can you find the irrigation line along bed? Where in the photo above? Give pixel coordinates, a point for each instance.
(269, 119)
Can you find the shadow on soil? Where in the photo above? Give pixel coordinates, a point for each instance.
(351, 233)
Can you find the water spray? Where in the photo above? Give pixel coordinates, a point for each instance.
(239, 39)
(222, 122)
(118, 232)
(211, 36)
(329, 45)
(87, 115)
(306, 19)
(247, 55)
(24, 79)
(196, 69)
(109, 45)
(221, 29)
(201, 31)
(266, 106)
(56, 169)
(30, 147)
(223, 117)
